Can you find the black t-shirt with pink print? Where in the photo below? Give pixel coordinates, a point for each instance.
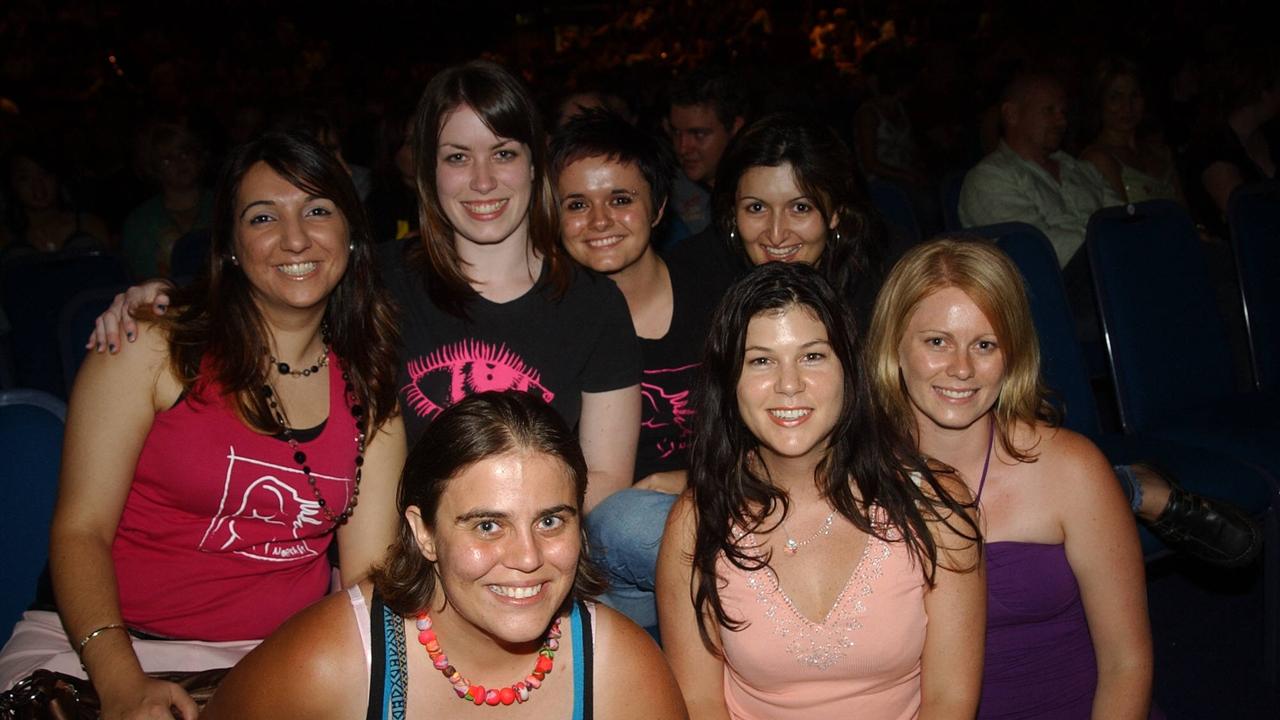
(556, 349)
(670, 369)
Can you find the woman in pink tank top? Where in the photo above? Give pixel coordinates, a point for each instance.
(207, 470)
(815, 568)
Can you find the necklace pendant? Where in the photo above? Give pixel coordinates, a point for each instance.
(792, 547)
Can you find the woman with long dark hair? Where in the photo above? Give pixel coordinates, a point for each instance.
(788, 190)
(815, 567)
(206, 473)
(488, 299)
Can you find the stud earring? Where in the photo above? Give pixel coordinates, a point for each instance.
(733, 234)
(235, 260)
(837, 237)
(351, 246)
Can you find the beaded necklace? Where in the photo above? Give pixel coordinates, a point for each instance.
(322, 361)
(516, 692)
(300, 457)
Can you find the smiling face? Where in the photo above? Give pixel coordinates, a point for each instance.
(777, 221)
(791, 387)
(505, 542)
(291, 245)
(483, 181)
(951, 361)
(606, 213)
(1122, 104)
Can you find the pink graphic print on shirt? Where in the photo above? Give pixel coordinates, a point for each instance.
(268, 512)
(464, 368)
(667, 407)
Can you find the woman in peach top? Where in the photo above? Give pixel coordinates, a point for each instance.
(814, 565)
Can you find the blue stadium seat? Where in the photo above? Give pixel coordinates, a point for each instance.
(1253, 214)
(31, 424)
(895, 207)
(35, 288)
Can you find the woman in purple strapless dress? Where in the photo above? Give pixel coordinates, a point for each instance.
(953, 354)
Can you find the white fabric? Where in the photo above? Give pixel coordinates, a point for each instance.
(1005, 187)
(38, 641)
(361, 610)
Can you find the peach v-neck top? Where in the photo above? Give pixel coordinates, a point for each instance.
(862, 661)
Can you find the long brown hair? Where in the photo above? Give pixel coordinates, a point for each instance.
(217, 321)
(506, 108)
(866, 450)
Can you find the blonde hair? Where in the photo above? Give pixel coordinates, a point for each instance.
(977, 267)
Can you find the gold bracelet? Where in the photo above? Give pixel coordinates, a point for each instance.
(96, 633)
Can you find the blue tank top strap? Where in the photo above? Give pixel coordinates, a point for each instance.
(583, 644)
(387, 697)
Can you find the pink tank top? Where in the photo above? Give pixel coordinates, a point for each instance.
(221, 537)
(862, 661)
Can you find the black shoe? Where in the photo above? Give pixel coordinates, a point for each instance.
(1213, 531)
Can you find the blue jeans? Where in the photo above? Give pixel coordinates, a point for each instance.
(624, 533)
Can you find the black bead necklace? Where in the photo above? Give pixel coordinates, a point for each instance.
(323, 361)
(300, 457)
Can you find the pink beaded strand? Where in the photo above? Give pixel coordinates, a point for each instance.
(515, 693)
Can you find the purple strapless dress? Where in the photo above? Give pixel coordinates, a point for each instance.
(1039, 659)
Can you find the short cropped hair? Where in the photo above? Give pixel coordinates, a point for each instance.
(709, 86)
(602, 133)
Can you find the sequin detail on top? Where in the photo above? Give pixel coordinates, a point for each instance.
(823, 645)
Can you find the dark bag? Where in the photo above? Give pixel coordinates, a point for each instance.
(46, 695)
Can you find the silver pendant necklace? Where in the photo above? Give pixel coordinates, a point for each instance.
(792, 546)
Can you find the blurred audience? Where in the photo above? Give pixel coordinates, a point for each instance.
(174, 159)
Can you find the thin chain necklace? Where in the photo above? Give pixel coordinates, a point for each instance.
(793, 546)
(300, 457)
(517, 692)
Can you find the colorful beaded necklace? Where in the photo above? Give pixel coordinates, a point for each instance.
(516, 692)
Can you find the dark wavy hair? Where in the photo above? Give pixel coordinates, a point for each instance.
(730, 490)
(506, 108)
(825, 171)
(217, 320)
(602, 133)
(479, 426)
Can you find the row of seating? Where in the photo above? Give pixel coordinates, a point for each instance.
(1170, 364)
(50, 302)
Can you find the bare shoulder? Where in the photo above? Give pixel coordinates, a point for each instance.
(682, 522)
(312, 666)
(623, 653)
(1072, 464)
